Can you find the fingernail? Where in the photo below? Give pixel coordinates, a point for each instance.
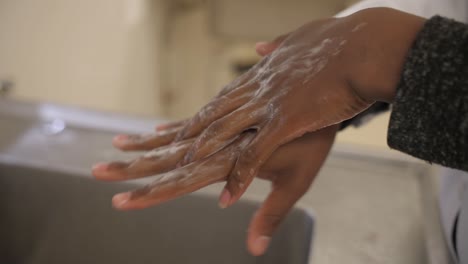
(224, 199)
(161, 127)
(100, 167)
(120, 199)
(261, 44)
(120, 138)
(261, 244)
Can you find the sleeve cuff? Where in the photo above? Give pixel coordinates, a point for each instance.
(429, 119)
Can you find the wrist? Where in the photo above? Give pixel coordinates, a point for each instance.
(379, 51)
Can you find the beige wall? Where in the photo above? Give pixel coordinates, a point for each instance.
(190, 52)
(99, 54)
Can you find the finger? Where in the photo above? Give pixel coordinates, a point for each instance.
(146, 141)
(181, 181)
(248, 164)
(168, 186)
(211, 112)
(221, 132)
(287, 189)
(157, 161)
(244, 81)
(237, 82)
(272, 212)
(170, 125)
(265, 48)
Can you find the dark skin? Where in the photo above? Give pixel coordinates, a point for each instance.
(323, 73)
(278, 120)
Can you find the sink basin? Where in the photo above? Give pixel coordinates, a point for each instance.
(52, 218)
(54, 212)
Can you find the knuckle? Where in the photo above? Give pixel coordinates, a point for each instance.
(237, 180)
(223, 99)
(244, 173)
(186, 131)
(213, 129)
(241, 174)
(225, 90)
(248, 156)
(210, 109)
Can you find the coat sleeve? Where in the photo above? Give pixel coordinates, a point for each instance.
(429, 117)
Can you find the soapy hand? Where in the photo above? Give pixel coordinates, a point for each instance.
(291, 169)
(325, 72)
(313, 78)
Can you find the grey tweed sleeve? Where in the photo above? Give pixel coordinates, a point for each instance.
(429, 119)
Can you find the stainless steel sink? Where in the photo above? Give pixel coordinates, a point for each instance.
(52, 211)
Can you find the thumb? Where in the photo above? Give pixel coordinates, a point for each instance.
(266, 47)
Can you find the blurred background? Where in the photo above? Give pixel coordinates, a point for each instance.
(158, 58)
(164, 59)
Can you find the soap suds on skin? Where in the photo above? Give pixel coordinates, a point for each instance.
(282, 70)
(359, 27)
(301, 63)
(193, 176)
(165, 151)
(165, 132)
